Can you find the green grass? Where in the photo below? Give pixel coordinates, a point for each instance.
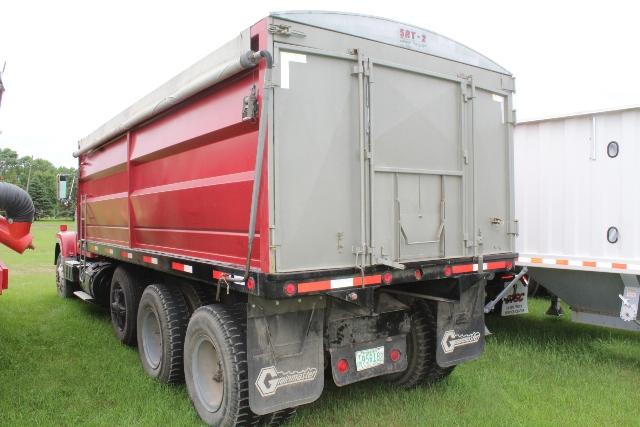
(61, 365)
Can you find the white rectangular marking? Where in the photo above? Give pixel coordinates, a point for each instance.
(341, 283)
(285, 59)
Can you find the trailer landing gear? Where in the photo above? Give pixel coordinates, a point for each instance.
(555, 309)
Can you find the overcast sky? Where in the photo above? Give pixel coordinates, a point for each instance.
(71, 66)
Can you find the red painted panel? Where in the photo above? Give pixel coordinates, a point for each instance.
(104, 161)
(206, 244)
(216, 203)
(117, 235)
(218, 110)
(95, 187)
(236, 154)
(108, 210)
(187, 186)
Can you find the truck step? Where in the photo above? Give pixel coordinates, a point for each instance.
(83, 296)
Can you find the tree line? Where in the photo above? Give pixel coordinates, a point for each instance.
(38, 178)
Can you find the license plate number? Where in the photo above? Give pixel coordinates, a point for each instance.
(369, 358)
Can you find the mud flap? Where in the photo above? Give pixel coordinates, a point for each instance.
(284, 352)
(461, 326)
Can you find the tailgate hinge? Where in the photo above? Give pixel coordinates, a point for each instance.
(285, 30)
(471, 88)
(514, 228)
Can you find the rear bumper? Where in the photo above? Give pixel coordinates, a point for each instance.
(316, 282)
(291, 285)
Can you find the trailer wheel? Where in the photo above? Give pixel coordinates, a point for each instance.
(124, 297)
(278, 418)
(162, 323)
(64, 287)
(215, 365)
(196, 295)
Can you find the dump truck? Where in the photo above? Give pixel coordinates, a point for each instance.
(579, 231)
(323, 197)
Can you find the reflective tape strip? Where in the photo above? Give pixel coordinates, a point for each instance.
(470, 268)
(110, 251)
(217, 274)
(464, 268)
(348, 282)
(368, 280)
(182, 267)
(150, 259)
(125, 254)
(95, 248)
(588, 264)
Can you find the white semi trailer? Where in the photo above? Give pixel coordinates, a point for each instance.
(578, 206)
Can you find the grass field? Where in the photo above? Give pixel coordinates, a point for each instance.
(61, 365)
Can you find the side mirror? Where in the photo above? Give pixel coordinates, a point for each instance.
(62, 190)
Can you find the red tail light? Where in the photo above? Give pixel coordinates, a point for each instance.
(387, 277)
(290, 289)
(63, 227)
(447, 271)
(342, 366)
(418, 274)
(251, 283)
(394, 355)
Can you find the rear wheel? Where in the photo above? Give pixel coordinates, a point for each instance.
(216, 365)
(64, 287)
(162, 323)
(417, 351)
(124, 298)
(196, 295)
(421, 349)
(278, 418)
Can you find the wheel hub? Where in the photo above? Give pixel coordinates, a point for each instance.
(118, 307)
(208, 374)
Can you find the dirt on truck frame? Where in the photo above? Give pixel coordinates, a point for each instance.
(326, 195)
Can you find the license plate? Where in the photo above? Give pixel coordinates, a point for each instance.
(369, 358)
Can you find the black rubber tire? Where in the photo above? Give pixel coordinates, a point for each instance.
(278, 418)
(65, 288)
(422, 343)
(162, 311)
(124, 298)
(197, 295)
(417, 349)
(223, 329)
